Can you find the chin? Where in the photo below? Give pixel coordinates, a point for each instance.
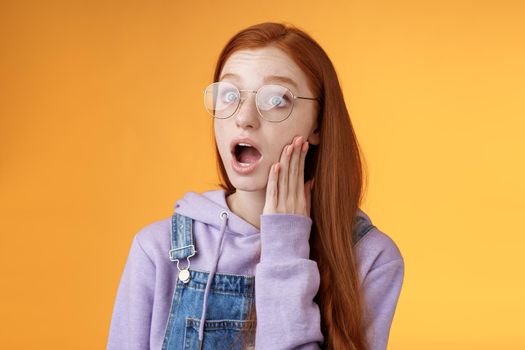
(248, 184)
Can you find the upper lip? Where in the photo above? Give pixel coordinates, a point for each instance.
(247, 140)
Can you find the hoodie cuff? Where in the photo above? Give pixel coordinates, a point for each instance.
(285, 236)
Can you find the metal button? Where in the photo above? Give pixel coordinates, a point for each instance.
(184, 275)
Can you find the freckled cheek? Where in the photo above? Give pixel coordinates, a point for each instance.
(223, 146)
(305, 118)
(277, 152)
(221, 139)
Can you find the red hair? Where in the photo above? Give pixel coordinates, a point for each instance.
(336, 164)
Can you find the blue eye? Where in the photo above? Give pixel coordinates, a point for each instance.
(230, 96)
(276, 100)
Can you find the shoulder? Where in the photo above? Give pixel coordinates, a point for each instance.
(375, 249)
(154, 239)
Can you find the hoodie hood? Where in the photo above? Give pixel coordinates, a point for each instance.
(206, 207)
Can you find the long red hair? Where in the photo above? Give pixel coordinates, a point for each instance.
(338, 168)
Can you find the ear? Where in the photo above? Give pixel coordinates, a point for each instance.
(314, 137)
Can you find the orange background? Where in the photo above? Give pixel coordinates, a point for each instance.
(102, 129)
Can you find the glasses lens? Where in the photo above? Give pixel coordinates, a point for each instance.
(221, 99)
(274, 102)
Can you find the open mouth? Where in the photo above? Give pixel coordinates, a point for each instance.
(246, 154)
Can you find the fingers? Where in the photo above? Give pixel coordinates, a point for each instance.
(286, 191)
(272, 190)
(300, 181)
(293, 196)
(291, 177)
(283, 178)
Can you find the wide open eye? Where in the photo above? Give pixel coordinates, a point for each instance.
(274, 97)
(277, 101)
(221, 99)
(228, 96)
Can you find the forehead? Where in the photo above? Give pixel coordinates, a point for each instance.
(263, 65)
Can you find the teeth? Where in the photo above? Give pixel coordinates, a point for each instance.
(244, 144)
(244, 164)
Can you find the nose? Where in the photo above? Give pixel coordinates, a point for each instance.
(247, 114)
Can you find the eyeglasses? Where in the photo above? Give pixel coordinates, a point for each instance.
(274, 102)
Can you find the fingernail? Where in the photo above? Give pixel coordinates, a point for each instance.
(305, 146)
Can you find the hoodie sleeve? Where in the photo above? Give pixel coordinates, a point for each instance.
(286, 282)
(382, 287)
(130, 323)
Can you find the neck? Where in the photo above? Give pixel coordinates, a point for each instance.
(247, 205)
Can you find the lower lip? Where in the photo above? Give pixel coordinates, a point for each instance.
(244, 170)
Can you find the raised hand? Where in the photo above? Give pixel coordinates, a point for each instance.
(286, 191)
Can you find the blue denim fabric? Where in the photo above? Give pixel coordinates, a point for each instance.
(230, 299)
(362, 225)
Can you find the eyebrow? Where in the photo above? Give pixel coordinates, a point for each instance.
(268, 78)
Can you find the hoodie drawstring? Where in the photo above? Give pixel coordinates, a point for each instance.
(224, 216)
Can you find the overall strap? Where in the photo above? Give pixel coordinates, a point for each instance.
(182, 243)
(360, 229)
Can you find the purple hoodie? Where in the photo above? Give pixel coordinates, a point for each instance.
(149, 278)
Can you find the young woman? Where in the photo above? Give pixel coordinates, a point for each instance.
(281, 257)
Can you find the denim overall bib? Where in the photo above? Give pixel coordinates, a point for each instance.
(228, 303)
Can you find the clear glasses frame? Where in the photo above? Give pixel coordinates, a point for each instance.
(241, 101)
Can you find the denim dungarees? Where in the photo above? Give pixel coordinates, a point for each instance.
(230, 297)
